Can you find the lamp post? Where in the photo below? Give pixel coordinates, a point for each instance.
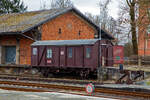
(99, 69)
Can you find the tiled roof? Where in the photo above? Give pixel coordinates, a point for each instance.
(19, 22)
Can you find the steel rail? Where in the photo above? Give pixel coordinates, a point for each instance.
(79, 89)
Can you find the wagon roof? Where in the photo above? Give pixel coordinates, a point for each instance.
(65, 42)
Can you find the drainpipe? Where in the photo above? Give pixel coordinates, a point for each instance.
(0, 54)
(99, 69)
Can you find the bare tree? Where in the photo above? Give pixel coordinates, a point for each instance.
(123, 23)
(61, 4)
(104, 20)
(132, 5)
(130, 20)
(110, 25)
(43, 5)
(103, 4)
(93, 18)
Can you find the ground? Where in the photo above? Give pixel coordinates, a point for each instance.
(15, 95)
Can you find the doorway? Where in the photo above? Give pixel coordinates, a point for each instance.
(10, 54)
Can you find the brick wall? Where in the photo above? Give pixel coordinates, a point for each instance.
(25, 50)
(70, 25)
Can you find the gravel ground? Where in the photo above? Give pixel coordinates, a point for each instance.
(15, 95)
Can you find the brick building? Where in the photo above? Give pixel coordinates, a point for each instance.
(19, 30)
(144, 29)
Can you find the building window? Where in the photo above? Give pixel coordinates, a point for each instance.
(10, 54)
(88, 52)
(148, 29)
(79, 32)
(34, 51)
(70, 53)
(59, 31)
(49, 53)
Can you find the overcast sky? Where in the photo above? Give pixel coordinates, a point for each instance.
(83, 5)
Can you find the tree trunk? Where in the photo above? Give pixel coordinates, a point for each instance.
(133, 28)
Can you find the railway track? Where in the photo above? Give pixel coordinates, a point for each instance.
(45, 85)
(49, 80)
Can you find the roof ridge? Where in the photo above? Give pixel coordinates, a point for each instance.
(41, 10)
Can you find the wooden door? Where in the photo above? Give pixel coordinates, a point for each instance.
(41, 55)
(110, 56)
(10, 54)
(88, 56)
(52, 56)
(79, 56)
(34, 56)
(70, 56)
(62, 56)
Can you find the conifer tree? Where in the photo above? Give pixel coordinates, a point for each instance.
(11, 6)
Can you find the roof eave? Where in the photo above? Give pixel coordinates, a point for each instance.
(92, 23)
(10, 33)
(107, 35)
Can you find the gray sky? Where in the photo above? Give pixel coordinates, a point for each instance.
(90, 6)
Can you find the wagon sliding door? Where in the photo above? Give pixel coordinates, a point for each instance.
(110, 56)
(52, 56)
(88, 56)
(70, 56)
(79, 56)
(62, 56)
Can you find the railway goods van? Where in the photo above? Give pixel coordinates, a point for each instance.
(80, 56)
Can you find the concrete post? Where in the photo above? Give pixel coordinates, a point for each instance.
(0, 54)
(103, 61)
(100, 74)
(139, 61)
(17, 51)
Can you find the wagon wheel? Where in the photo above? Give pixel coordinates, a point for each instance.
(84, 74)
(45, 72)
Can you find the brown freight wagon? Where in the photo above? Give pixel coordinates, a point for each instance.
(80, 56)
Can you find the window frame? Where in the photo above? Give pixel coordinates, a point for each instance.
(35, 51)
(70, 52)
(88, 52)
(49, 53)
